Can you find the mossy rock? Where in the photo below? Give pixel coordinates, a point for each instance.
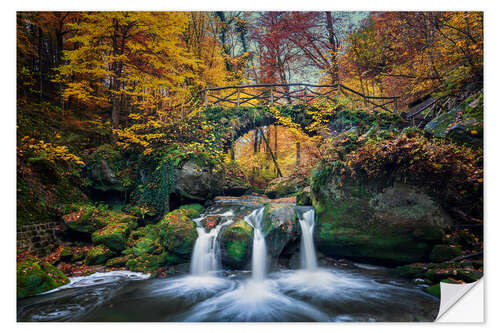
(210, 222)
(193, 210)
(236, 244)
(98, 255)
(441, 273)
(468, 129)
(469, 275)
(370, 221)
(303, 198)
(441, 253)
(178, 233)
(147, 263)
(411, 271)
(88, 218)
(83, 220)
(108, 170)
(35, 277)
(117, 262)
(78, 253)
(434, 290)
(109, 217)
(280, 227)
(66, 252)
(144, 213)
(114, 236)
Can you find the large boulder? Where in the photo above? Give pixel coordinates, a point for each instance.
(169, 242)
(144, 252)
(280, 227)
(98, 255)
(82, 220)
(374, 222)
(88, 219)
(443, 252)
(109, 175)
(178, 233)
(236, 244)
(197, 182)
(35, 276)
(234, 180)
(113, 236)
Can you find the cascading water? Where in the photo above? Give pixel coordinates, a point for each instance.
(259, 244)
(307, 251)
(205, 258)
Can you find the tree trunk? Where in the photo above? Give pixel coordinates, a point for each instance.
(297, 145)
(115, 112)
(276, 141)
(334, 68)
(255, 142)
(272, 155)
(40, 62)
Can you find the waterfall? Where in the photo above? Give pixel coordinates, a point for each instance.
(307, 252)
(205, 258)
(259, 244)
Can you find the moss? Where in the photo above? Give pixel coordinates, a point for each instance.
(98, 255)
(83, 219)
(35, 277)
(193, 210)
(114, 236)
(236, 244)
(177, 233)
(303, 198)
(411, 271)
(344, 230)
(79, 253)
(469, 275)
(145, 246)
(143, 212)
(434, 290)
(66, 252)
(109, 170)
(146, 263)
(442, 253)
(89, 218)
(373, 221)
(117, 262)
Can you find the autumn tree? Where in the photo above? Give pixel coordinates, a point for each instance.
(132, 55)
(407, 53)
(41, 39)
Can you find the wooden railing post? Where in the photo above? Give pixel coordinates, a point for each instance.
(305, 94)
(395, 104)
(272, 96)
(238, 100)
(206, 98)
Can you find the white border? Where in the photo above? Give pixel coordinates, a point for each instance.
(492, 174)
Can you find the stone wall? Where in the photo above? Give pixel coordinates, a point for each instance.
(36, 237)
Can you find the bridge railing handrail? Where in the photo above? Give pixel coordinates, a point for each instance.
(263, 85)
(390, 99)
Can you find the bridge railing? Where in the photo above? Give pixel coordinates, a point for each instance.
(291, 93)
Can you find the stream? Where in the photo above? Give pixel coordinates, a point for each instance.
(355, 292)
